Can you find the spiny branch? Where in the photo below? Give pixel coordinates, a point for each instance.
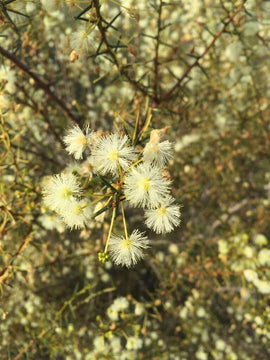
(41, 85)
(167, 95)
(156, 59)
(123, 71)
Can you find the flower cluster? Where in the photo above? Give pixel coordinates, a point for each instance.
(128, 172)
(62, 194)
(251, 258)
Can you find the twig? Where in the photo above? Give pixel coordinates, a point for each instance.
(41, 84)
(167, 95)
(156, 59)
(21, 248)
(67, 304)
(123, 71)
(31, 151)
(43, 112)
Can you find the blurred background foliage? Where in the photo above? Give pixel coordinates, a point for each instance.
(202, 292)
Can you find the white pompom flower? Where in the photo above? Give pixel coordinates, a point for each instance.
(77, 140)
(128, 251)
(158, 153)
(81, 40)
(76, 214)
(145, 186)
(60, 190)
(164, 218)
(111, 152)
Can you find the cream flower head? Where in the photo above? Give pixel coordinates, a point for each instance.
(164, 218)
(157, 153)
(128, 251)
(77, 140)
(111, 152)
(60, 190)
(145, 186)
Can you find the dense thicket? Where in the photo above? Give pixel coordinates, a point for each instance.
(201, 69)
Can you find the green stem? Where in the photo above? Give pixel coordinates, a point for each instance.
(136, 127)
(120, 171)
(124, 220)
(110, 230)
(99, 199)
(136, 163)
(107, 183)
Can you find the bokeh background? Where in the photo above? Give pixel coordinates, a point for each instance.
(202, 66)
